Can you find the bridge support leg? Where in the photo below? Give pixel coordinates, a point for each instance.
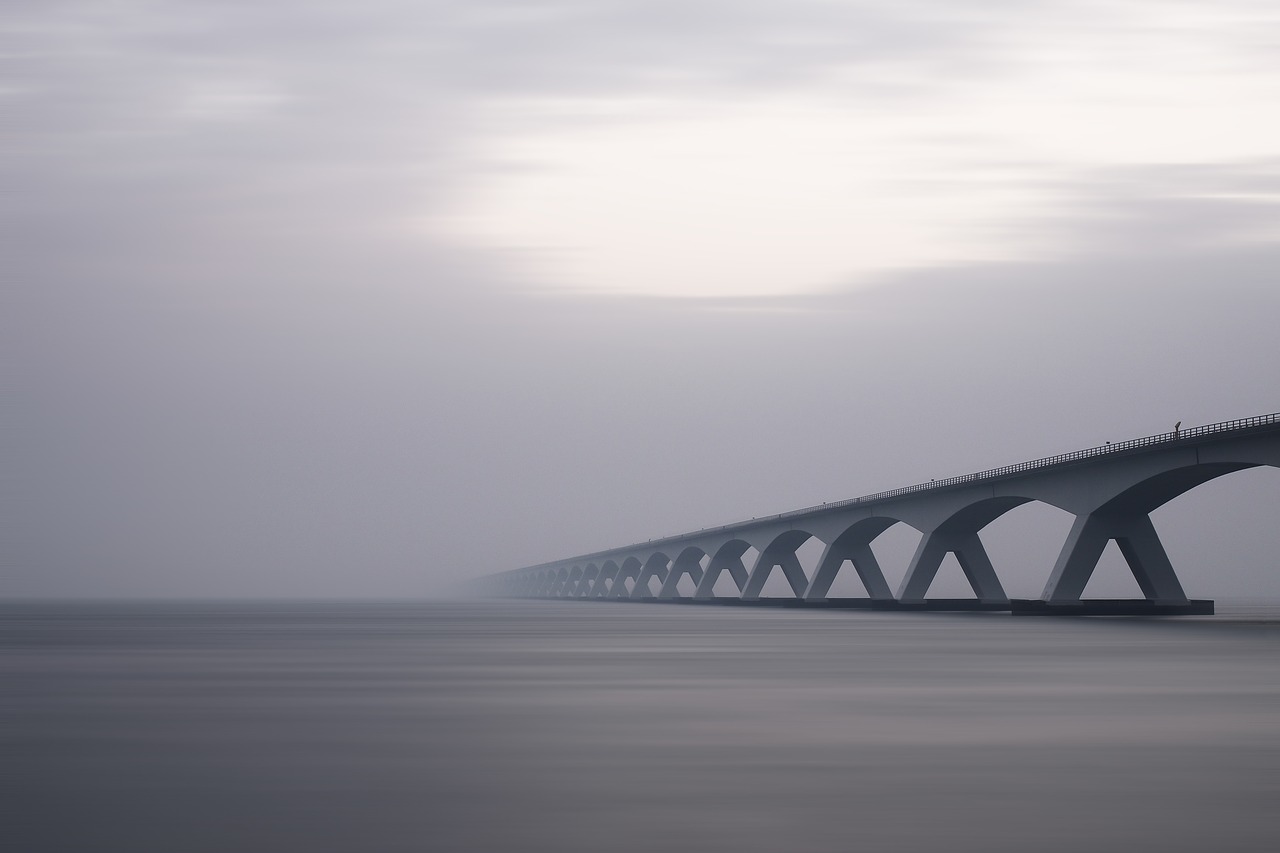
(973, 559)
(735, 568)
(656, 567)
(583, 587)
(619, 588)
(642, 589)
(602, 589)
(864, 563)
(1140, 545)
(790, 565)
(681, 567)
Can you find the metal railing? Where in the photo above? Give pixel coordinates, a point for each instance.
(949, 482)
(1050, 461)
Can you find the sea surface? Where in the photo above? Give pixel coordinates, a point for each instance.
(596, 726)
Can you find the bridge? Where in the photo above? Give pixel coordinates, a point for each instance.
(1110, 490)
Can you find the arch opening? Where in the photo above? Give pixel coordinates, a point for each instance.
(1112, 577)
(950, 581)
(1023, 544)
(1223, 537)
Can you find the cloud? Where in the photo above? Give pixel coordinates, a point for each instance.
(242, 368)
(268, 435)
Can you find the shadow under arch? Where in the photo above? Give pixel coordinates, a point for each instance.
(1156, 491)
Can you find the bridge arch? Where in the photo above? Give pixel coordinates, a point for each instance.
(570, 586)
(780, 552)
(628, 569)
(728, 557)
(687, 562)
(853, 545)
(608, 573)
(590, 572)
(958, 534)
(1155, 491)
(656, 565)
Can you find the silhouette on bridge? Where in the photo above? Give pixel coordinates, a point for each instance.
(1111, 491)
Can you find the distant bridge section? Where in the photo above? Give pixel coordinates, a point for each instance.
(1111, 491)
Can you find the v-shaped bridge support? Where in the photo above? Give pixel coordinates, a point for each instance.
(973, 559)
(1139, 544)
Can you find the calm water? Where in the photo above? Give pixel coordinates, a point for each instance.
(597, 727)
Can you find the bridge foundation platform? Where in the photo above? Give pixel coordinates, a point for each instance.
(1018, 607)
(1112, 607)
(930, 604)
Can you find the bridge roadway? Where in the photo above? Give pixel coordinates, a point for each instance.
(1111, 491)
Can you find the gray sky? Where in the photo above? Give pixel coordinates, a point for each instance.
(334, 299)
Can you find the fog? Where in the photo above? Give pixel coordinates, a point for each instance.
(285, 315)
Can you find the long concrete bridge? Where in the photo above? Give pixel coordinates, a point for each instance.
(1111, 491)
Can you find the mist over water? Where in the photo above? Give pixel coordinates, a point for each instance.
(585, 726)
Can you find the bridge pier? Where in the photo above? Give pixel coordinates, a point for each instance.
(589, 576)
(855, 546)
(1140, 545)
(630, 568)
(790, 565)
(690, 563)
(654, 567)
(973, 559)
(730, 562)
(600, 588)
(781, 553)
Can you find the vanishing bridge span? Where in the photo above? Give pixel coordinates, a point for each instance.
(1111, 491)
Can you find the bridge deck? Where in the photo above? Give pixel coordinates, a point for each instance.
(1189, 436)
(1111, 490)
